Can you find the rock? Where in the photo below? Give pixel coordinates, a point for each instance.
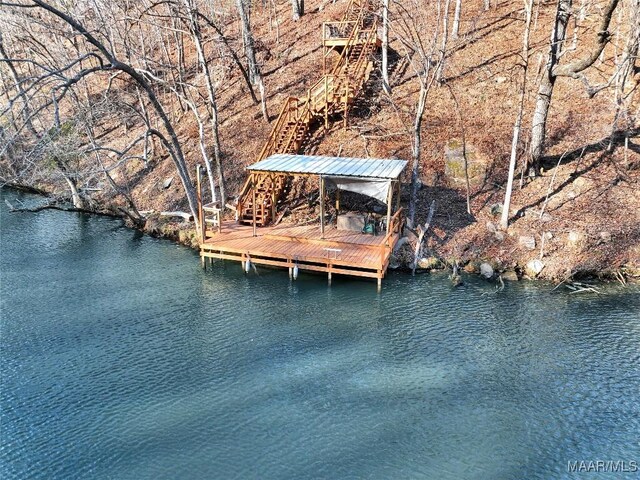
(410, 235)
(456, 280)
(428, 263)
(496, 209)
(491, 227)
(486, 270)
(350, 221)
(533, 268)
(499, 236)
(548, 235)
(167, 183)
(575, 239)
(510, 276)
(394, 263)
(605, 237)
(402, 241)
(454, 158)
(546, 217)
(527, 241)
(580, 182)
(472, 267)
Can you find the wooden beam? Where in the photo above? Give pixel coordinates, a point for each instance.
(321, 207)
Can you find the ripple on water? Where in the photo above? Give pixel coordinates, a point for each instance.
(122, 359)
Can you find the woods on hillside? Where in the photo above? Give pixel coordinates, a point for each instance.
(95, 94)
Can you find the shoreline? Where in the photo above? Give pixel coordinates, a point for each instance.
(481, 264)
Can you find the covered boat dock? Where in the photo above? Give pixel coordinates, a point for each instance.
(315, 247)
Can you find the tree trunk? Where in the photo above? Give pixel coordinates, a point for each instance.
(298, 9)
(247, 36)
(249, 47)
(553, 70)
(415, 152)
(385, 47)
(26, 111)
(547, 82)
(456, 20)
(213, 110)
(445, 38)
(504, 219)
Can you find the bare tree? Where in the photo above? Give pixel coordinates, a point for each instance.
(255, 76)
(100, 47)
(421, 51)
(504, 220)
(554, 69)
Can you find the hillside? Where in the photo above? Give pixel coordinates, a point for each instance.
(580, 216)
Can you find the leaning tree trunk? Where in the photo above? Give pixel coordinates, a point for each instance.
(172, 144)
(504, 219)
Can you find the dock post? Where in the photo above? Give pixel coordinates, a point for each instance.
(203, 261)
(379, 284)
(329, 277)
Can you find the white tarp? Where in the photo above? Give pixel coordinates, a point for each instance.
(378, 189)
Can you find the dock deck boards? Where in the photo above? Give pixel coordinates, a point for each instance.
(340, 251)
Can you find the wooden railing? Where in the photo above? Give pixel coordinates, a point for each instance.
(394, 227)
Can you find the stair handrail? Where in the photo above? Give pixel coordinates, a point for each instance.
(368, 41)
(284, 111)
(294, 130)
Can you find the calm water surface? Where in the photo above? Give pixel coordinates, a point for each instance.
(120, 358)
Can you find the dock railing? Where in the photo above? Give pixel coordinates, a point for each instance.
(394, 227)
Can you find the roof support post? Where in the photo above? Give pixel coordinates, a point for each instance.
(389, 205)
(255, 207)
(273, 198)
(321, 207)
(399, 185)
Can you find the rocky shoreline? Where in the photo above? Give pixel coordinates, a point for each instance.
(402, 259)
(474, 261)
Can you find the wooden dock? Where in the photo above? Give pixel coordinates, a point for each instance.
(339, 252)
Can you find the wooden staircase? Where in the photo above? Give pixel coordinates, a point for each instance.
(355, 39)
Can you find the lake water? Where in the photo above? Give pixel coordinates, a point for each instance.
(120, 358)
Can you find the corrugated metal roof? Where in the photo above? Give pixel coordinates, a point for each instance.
(332, 166)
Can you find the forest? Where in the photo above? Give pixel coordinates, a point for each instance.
(519, 118)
